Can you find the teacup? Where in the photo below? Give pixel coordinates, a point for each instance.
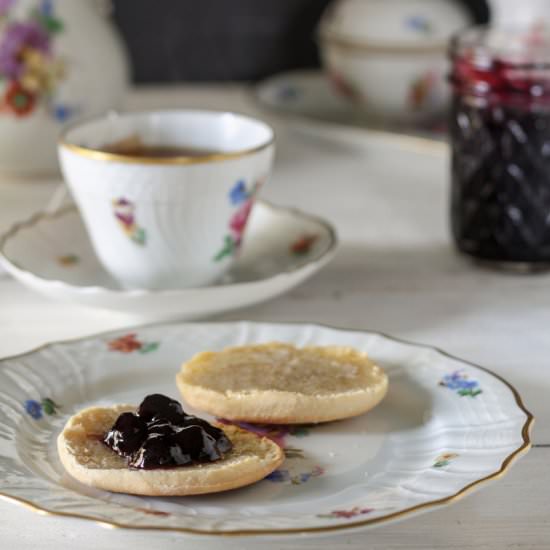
(161, 221)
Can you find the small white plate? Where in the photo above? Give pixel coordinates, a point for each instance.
(52, 254)
(307, 96)
(444, 428)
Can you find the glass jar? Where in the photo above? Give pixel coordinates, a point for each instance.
(500, 136)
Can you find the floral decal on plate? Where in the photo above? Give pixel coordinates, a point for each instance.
(279, 433)
(421, 89)
(37, 409)
(444, 460)
(276, 432)
(460, 382)
(302, 245)
(419, 23)
(30, 69)
(124, 211)
(285, 476)
(347, 514)
(68, 260)
(130, 343)
(243, 199)
(153, 512)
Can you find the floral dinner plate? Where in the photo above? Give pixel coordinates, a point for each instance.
(445, 428)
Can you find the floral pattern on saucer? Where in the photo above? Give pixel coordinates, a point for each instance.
(444, 460)
(302, 245)
(129, 343)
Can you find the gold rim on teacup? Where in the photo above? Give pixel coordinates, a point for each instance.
(97, 154)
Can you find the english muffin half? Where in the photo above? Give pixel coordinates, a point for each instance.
(86, 457)
(280, 384)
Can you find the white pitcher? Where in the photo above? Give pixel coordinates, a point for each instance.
(59, 60)
(506, 13)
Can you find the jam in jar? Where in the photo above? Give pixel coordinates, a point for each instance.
(500, 136)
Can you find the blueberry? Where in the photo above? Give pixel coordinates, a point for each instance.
(127, 434)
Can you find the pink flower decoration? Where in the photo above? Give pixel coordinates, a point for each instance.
(239, 219)
(5, 6)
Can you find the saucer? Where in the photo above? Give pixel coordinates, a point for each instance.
(52, 254)
(306, 96)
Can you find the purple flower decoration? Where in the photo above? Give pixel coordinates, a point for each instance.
(238, 193)
(34, 409)
(5, 6)
(16, 38)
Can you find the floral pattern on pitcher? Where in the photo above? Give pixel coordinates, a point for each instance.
(28, 65)
(124, 211)
(243, 199)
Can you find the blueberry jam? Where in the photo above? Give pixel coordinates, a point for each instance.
(161, 435)
(500, 134)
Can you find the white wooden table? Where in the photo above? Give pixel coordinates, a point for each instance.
(396, 272)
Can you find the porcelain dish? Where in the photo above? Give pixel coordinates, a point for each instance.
(389, 57)
(306, 97)
(446, 427)
(282, 247)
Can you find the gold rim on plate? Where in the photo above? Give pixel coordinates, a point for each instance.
(504, 467)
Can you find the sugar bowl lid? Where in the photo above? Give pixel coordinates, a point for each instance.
(411, 23)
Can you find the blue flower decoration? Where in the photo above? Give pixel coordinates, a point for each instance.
(288, 93)
(459, 381)
(62, 113)
(34, 409)
(278, 476)
(46, 7)
(238, 193)
(419, 23)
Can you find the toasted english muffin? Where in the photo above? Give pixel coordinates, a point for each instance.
(90, 461)
(280, 384)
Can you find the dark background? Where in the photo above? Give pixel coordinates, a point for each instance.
(205, 40)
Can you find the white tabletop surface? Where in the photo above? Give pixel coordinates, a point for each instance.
(396, 272)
